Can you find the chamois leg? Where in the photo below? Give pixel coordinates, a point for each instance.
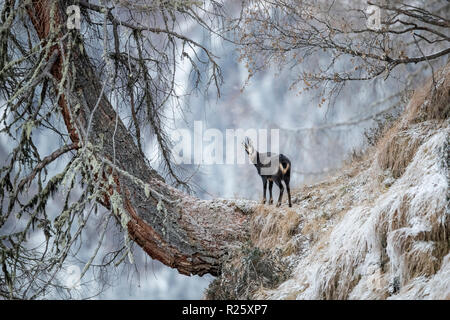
(286, 181)
(270, 191)
(264, 190)
(280, 185)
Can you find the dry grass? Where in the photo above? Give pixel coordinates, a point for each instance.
(313, 228)
(248, 270)
(261, 263)
(274, 228)
(399, 144)
(396, 149)
(432, 101)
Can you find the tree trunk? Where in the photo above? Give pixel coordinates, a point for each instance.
(181, 231)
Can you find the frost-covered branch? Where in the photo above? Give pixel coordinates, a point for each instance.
(328, 43)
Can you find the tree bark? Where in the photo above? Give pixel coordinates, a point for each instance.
(182, 231)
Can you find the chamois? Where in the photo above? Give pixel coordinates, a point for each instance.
(263, 160)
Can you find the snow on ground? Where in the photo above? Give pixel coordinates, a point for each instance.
(374, 241)
(368, 233)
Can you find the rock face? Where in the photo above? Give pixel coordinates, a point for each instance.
(380, 229)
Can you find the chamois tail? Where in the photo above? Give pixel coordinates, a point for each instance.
(284, 169)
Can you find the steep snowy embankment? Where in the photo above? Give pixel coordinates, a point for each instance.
(379, 230)
(391, 238)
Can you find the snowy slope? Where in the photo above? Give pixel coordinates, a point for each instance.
(379, 229)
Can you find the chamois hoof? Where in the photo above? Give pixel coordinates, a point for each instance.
(290, 205)
(271, 201)
(278, 204)
(263, 201)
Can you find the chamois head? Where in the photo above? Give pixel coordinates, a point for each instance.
(248, 146)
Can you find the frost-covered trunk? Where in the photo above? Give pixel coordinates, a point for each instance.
(181, 231)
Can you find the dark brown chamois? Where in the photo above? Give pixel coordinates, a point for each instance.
(263, 163)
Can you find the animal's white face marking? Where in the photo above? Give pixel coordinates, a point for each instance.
(252, 154)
